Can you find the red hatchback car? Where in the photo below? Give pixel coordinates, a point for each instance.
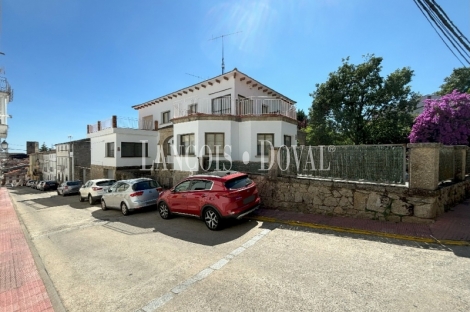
(211, 197)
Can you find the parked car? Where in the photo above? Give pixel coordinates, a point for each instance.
(129, 195)
(40, 185)
(212, 198)
(69, 187)
(92, 190)
(50, 186)
(33, 184)
(30, 182)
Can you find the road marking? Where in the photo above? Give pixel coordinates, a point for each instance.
(362, 232)
(160, 301)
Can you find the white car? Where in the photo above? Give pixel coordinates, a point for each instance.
(92, 190)
(129, 195)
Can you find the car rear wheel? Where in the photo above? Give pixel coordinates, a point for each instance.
(163, 210)
(58, 193)
(124, 209)
(90, 199)
(103, 205)
(212, 219)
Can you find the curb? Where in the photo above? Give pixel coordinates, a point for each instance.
(363, 232)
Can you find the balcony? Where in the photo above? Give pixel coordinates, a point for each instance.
(123, 123)
(240, 107)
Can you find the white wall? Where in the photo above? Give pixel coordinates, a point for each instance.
(242, 136)
(202, 96)
(99, 139)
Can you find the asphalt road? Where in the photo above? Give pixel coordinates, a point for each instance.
(103, 261)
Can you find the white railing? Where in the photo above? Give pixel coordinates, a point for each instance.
(122, 122)
(244, 107)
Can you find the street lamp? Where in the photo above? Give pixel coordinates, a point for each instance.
(4, 145)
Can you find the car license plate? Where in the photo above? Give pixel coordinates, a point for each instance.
(248, 199)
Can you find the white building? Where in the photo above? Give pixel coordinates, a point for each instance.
(233, 116)
(233, 111)
(49, 166)
(6, 96)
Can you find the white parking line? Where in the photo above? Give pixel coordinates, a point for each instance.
(160, 301)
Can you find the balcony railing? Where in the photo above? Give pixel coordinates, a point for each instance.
(240, 107)
(121, 122)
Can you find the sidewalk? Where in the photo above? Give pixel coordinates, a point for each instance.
(21, 286)
(453, 227)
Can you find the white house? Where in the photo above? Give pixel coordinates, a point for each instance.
(233, 111)
(121, 144)
(6, 96)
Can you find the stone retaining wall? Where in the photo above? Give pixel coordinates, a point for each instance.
(371, 201)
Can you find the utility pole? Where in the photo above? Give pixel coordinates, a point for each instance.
(222, 36)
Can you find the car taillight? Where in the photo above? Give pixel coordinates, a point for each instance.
(66, 187)
(159, 189)
(94, 188)
(137, 193)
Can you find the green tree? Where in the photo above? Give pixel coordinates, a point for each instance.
(43, 147)
(301, 119)
(458, 80)
(356, 105)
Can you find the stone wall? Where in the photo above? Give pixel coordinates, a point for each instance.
(371, 201)
(169, 178)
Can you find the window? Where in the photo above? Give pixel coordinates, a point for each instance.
(287, 140)
(222, 105)
(147, 123)
(132, 149)
(213, 140)
(192, 109)
(183, 186)
(238, 183)
(187, 144)
(265, 139)
(199, 185)
(245, 106)
(110, 149)
(165, 117)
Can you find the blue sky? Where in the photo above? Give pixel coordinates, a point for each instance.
(73, 62)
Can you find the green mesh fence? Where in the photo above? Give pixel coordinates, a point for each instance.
(371, 163)
(467, 166)
(446, 163)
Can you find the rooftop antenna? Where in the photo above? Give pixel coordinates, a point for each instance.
(222, 36)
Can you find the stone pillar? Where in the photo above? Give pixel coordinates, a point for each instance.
(114, 121)
(424, 165)
(460, 159)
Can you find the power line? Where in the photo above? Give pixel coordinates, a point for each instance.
(437, 17)
(448, 29)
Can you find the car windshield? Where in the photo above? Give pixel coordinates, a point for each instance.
(73, 183)
(145, 185)
(238, 183)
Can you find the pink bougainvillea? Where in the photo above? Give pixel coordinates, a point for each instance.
(445, 120)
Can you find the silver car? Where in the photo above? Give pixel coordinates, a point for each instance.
(129, 195)
(92, 190)
(69, 187)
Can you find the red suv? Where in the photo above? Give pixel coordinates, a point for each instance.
(211, 197)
